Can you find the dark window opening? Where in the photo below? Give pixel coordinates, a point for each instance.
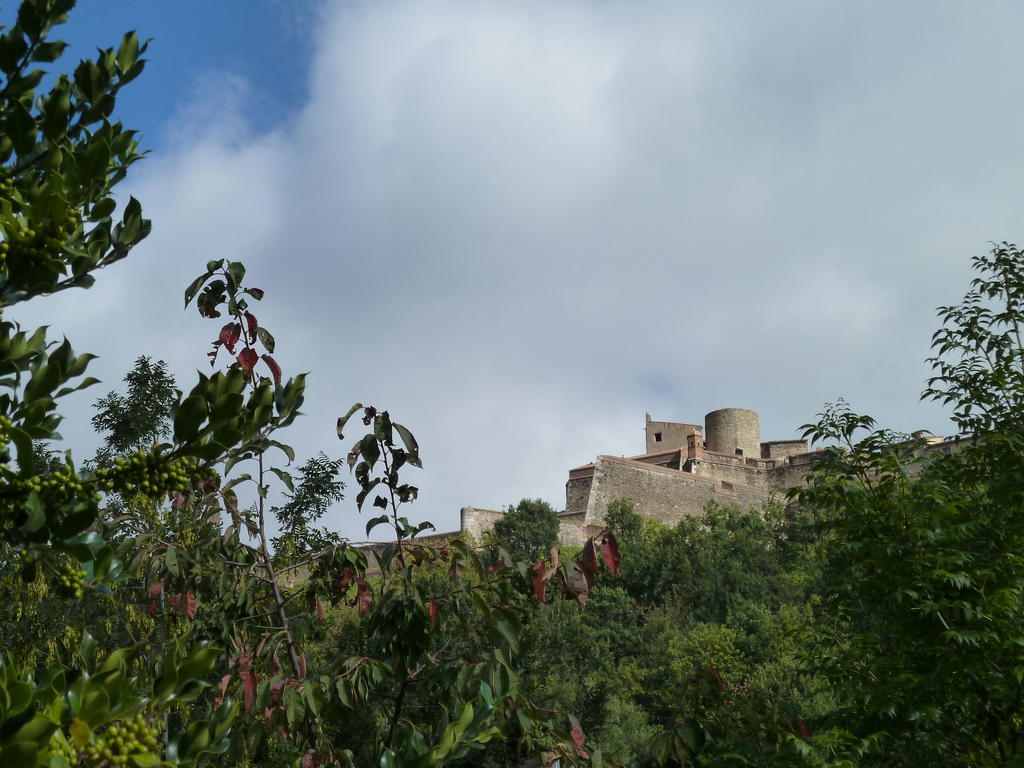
(739, 451)
(657, 437)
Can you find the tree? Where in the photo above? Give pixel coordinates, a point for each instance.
(318, 488)
(923, 573)
(139, 418)
(528, 529)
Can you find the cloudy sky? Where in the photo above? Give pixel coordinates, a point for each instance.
(519, 225)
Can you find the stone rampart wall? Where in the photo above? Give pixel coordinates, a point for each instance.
(476, 521)
(663, 494)
(577, 493)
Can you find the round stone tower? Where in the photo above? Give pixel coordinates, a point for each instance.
(733, 432)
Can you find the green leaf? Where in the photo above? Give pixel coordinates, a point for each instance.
(20, 127)
(411, 446)
(284, 477)
(171, 561)
(236, 273)
(36, 513)
(128, 51)
(374, 522)
(103, 209)
(199, 663)
(265, 339)
(188, 416)
(195, 286)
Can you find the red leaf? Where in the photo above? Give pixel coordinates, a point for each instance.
(576, 586)
(191, 602)
(588, 562)
(177, 500)
(368, 415)
(578, 738)
(153, 592)
(251, 322)
(247, 360)
(364, 598)
(435, 613)
(275, 369)
(538, 580)
(213, 354)
(222, 688)
(256, 293)
(346, 578)
(610, 551)
(302, 665)
(497, 566)
(312, 760)
(320, 610)
(353, 455)
(248, 679)
(805, 732)
(229, 334)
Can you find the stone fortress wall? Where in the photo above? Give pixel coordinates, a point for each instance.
(685, 466)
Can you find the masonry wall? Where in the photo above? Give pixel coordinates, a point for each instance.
(778, 479)
(673, 434)
(570, 529)
(779, 449)
(577, 493)
(476, 521)
(730, 430)
(664, 494)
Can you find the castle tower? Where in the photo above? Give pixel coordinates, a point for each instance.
(733, 432)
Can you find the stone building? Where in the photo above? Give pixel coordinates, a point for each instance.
(684, 467)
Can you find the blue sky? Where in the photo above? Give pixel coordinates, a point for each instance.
(520, 225)
(269, 42)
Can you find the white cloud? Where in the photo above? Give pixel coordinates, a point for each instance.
(521, 225)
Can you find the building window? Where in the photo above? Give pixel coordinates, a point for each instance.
(657, 437)
(739, 451)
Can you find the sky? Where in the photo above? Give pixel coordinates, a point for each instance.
(519, 226)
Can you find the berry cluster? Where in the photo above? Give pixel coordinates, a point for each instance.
(59, 746)
(71, 579)
(62, 482)
(5, 433)
(121, 741)
(151, 474)
(32, 243)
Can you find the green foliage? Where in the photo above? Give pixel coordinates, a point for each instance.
(528, 529)
(139, 418)
(923, 578)
(318, 488)
(978, 353)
